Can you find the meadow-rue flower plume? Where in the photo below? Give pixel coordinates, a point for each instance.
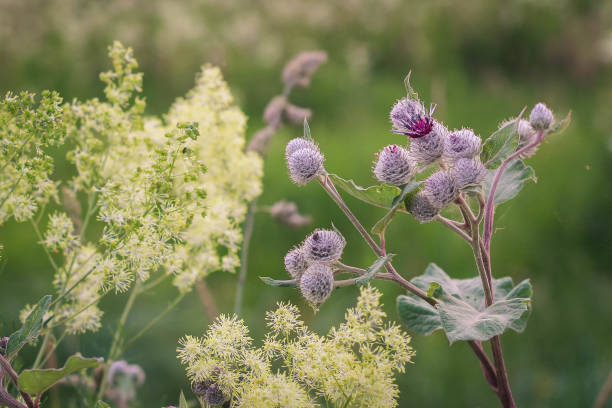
(323, 246)
(541, 117)
(422, 209)
(410, 118)
(295, 263)
(394, 166)
(467, 172)
(317, 283)
(461, 143)
(430, 147)
(441, 188)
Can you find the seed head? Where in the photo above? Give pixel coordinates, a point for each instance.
(295, 263)
(214, 396)
(441, 188)
(297, 144)
(323, 246)
(394, 166)
(461, 144)
(410, 118)
(273, 114)
(526, 135)
(300, 69)
(317, 283)
(422, 209)
(430, 147)
(304, 165)
(468, 172)
(541, 117)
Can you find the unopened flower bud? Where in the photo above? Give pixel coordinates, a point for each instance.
(317, 283)
(461, 143)
(214, 396)
(430, 147)
(410, 118)
(422, 209)
(304, 165)
(468, 172)
(441, 188)
(295, 263)
(526, 136)
(274, 111)
(394, 166)
(296, 115)
(323, 246)
(541, 117)
(297, 144)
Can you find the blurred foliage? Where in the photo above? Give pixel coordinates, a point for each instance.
(481, 61)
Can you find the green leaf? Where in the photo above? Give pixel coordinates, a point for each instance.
(380, 196)
(102, 404)
(502, 143)
(412, 94)
(30, 329)
(38, 381)
(307, 134)
(461, 311)
(273, 282)
(382, 224)
(461, 321)
(511, 182)
(373, 269)
(560, 126)
(183, 401)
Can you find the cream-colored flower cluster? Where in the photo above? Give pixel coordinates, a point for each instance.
(353, 366)
(28, 126)
(170, 193)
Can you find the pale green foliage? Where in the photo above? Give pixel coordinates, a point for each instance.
(353, 366)
(28, 127)
(170, 193)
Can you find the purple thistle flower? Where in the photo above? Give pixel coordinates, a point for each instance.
(410, 118)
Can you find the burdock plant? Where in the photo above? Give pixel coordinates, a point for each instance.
(436, 172)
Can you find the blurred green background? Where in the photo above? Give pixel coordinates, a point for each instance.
(481, 61)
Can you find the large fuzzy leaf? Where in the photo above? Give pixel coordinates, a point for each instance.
(461, 310)
(31, 327)
(512, 181)
(39, 380)
(380, 196)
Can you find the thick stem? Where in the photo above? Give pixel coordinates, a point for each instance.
(6, 367)
(490, 205)
(455, 227)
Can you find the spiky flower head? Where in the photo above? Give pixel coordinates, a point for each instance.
(295, 263)
(461, 143)
(541, 117)
(214, 395)
(430, 147)
(526, 136)
(3, 344)
(323, 246)
(441, 188)
(410, 118)
(297, 144)
(199, 388)
(422, 209)
(304, 165)
(317, 283)
(468, 172)
(394, 166)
